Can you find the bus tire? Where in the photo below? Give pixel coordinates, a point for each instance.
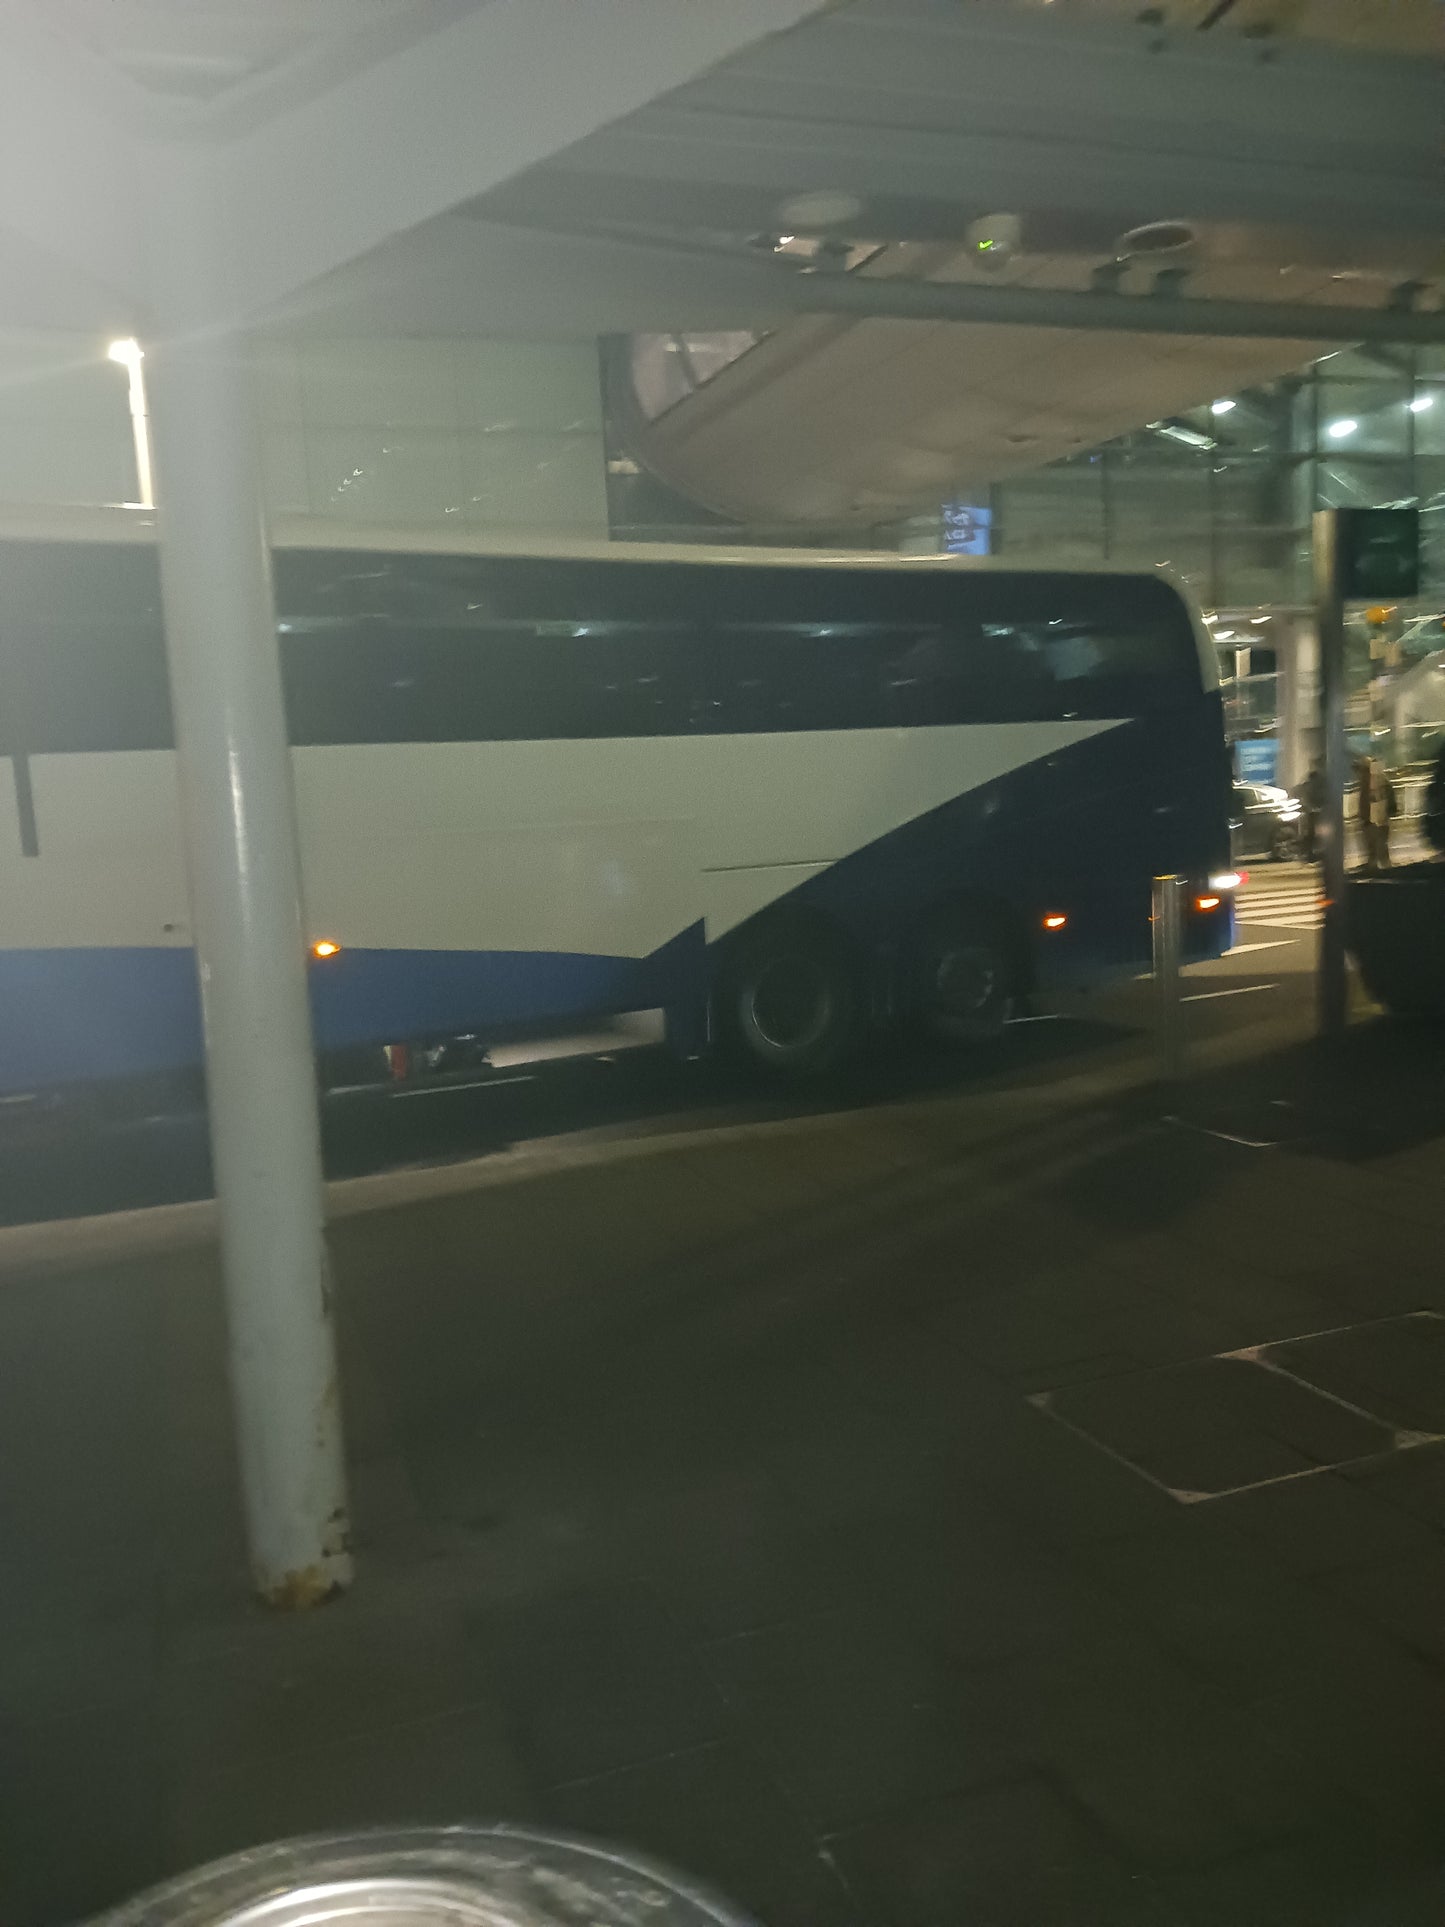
(790, 1001)
(965, 977)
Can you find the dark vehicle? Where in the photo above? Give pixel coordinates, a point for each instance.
(1265, 822)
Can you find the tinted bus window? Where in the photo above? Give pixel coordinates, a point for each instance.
(572, 648)
(381, 648)
(774, 676)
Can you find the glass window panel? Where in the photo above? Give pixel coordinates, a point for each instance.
(1261, 492)
(1430, 484)
(1253, 569)
(1262, 421)
(1429, 418)
(1159, 511)
(1380, 411)
(1430, 478)
(1367, 362)
(660, 374)
(709, 354)
(1056, 512)
(1343, 481)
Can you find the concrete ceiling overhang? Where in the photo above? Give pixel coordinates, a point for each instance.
(1308, 173)
(285, 139)
(477, 166)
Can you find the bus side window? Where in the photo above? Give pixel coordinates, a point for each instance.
(354, 682)
(520, 681)
(964, 672)
(659, 683)
(1099, 668)
(386, 681)
(768, 677)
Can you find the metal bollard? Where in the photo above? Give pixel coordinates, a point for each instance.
(465, 1876)
(1168, 934)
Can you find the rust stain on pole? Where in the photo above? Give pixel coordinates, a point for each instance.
(300, 1591)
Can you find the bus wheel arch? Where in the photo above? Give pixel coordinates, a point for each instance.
(791, 993)
(968, 967)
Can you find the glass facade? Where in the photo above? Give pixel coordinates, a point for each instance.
(1224, 493)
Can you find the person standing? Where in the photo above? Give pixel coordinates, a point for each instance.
(1377, 823)
(1311, 801)
(1364, 801)
(1435, 803)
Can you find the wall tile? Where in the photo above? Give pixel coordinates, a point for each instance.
(538, 387)
(535, 481)
(385, 475)
(398, 382)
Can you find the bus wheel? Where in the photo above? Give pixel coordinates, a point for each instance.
(790, 1001)
(965, 978)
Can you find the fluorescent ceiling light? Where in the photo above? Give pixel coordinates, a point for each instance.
(1220, 407)
(1345, 426)
(1190, 437)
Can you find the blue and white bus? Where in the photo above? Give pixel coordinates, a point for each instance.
(784, 799)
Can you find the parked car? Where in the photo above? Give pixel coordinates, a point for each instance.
(1265, 822)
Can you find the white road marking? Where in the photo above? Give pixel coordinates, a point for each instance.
(1282, 902)
(1274, 943)
(1240, 990)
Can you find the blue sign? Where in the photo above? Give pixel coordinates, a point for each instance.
(967, 529)
(1257, 759)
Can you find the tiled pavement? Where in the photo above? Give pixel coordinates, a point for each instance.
(707, 1500)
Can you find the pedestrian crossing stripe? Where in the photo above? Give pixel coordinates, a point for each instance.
(1298, 909)
(1288, 902)
(1278, 920)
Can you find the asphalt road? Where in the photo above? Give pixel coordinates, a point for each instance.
(61, 1169)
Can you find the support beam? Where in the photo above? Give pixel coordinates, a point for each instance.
(455, 276)
(238, 812)
(1126, 313)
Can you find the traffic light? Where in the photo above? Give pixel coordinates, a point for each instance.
(1377, 553)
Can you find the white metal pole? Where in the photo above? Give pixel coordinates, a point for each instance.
(239, 814)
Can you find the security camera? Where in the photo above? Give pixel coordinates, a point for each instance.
(994, 239)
